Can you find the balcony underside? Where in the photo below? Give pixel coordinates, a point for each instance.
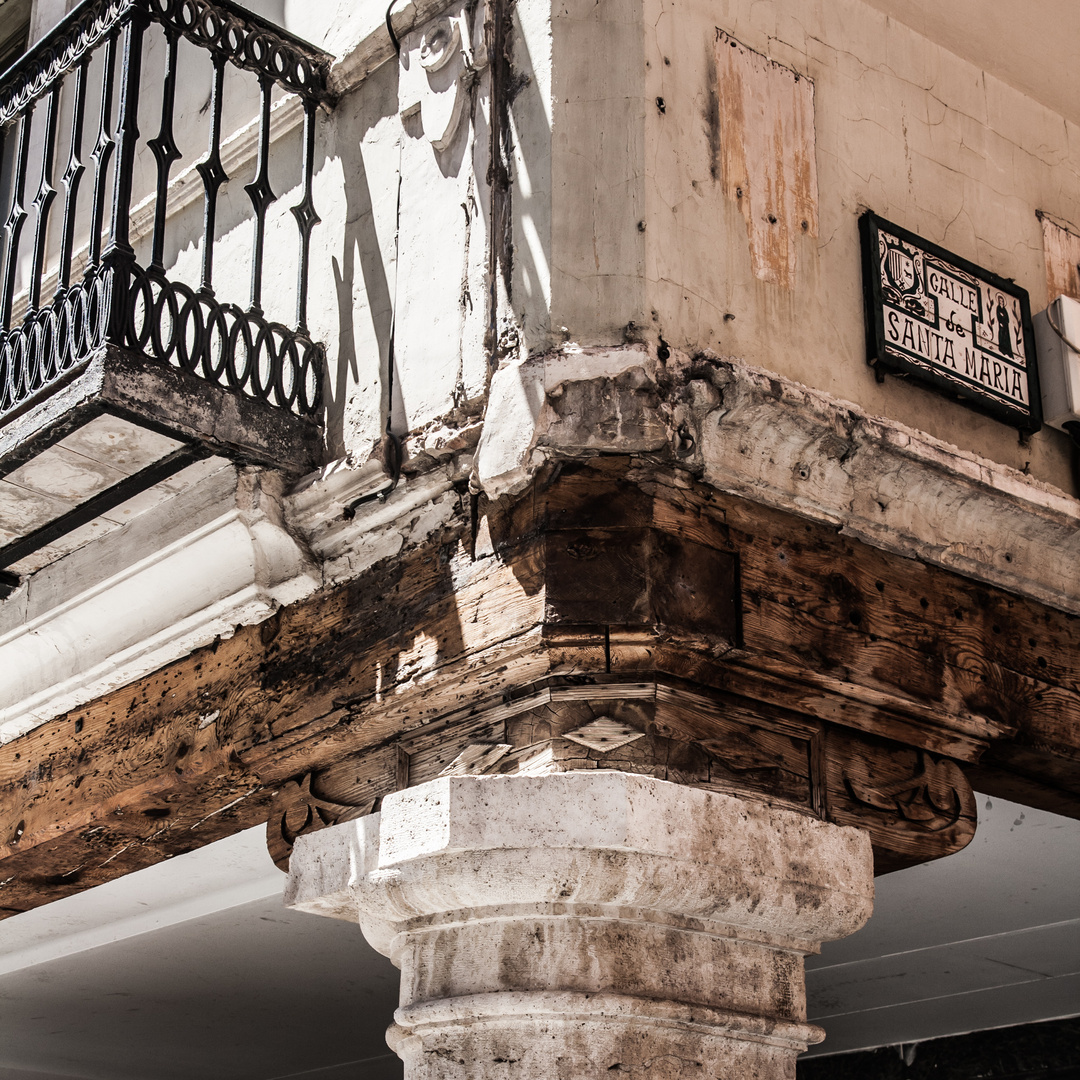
(116, 426)
(115, 373)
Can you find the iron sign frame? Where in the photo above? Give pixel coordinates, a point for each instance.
(886, 356)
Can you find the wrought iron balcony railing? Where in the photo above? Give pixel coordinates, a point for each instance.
(74, 280)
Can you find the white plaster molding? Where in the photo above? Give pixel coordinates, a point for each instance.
(752, 433)
(335, 486)
(894, 487)
(512, 444)
(227, 552)
(361, 41)
(215, 557)
(350, 517)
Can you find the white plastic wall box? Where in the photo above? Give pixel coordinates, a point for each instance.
(1059, 362)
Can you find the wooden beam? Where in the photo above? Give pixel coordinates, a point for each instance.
(822, 628)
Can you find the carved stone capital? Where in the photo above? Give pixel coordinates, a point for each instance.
(579, 924)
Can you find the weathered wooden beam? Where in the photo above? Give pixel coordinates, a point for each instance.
(773, 620)
(915, 805)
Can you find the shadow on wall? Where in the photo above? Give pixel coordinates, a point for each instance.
(397, 277)
(359, 249)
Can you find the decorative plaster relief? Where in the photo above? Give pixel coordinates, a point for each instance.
(213, 558)
(440, 278)
(438, 67)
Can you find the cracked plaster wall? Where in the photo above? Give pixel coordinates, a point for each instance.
(621, 225)
(644, 233)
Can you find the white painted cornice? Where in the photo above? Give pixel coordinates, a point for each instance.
(350, 517)
(894, 487)
(214, 557)
(227, 552)
(755, 434)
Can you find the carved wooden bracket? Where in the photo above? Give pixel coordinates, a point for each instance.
(296, 810)
(915, 805)
(642, 609)
(929, 798)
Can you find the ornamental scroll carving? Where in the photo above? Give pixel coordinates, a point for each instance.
(930, 797)
(916, 805)
(298, 809)
(440, 63)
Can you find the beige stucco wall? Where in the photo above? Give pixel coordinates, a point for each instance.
(903, 127)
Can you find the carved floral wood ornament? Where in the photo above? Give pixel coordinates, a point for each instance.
(930, 796)
(915, 805)
(297, 810)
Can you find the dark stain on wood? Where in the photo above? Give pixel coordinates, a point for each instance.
(610, 572)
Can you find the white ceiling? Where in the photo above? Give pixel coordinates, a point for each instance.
(986, 938)
(1031, 46)
(193, 969)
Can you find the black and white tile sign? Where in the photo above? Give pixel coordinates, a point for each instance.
(937, 318)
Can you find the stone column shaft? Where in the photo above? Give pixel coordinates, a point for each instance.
(586, 924)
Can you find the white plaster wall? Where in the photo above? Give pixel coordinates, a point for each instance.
(640, 241)
(354, 258)
(621, 229)
(533, 163)
(598, 170)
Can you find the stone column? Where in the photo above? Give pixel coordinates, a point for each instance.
(586, 924)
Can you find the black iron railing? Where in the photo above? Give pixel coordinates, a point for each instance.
(71, 282)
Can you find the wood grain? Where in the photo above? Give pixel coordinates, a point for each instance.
(798, 637)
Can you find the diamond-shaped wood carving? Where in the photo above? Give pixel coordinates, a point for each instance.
(604, 734)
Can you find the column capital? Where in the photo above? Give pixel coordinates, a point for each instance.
(582, 921)
(460, 844)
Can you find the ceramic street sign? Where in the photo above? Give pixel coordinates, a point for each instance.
(939, 319)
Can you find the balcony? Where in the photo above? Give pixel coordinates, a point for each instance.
(126, 354)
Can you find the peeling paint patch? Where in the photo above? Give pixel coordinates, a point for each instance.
(1061, 249)
(767, 154)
